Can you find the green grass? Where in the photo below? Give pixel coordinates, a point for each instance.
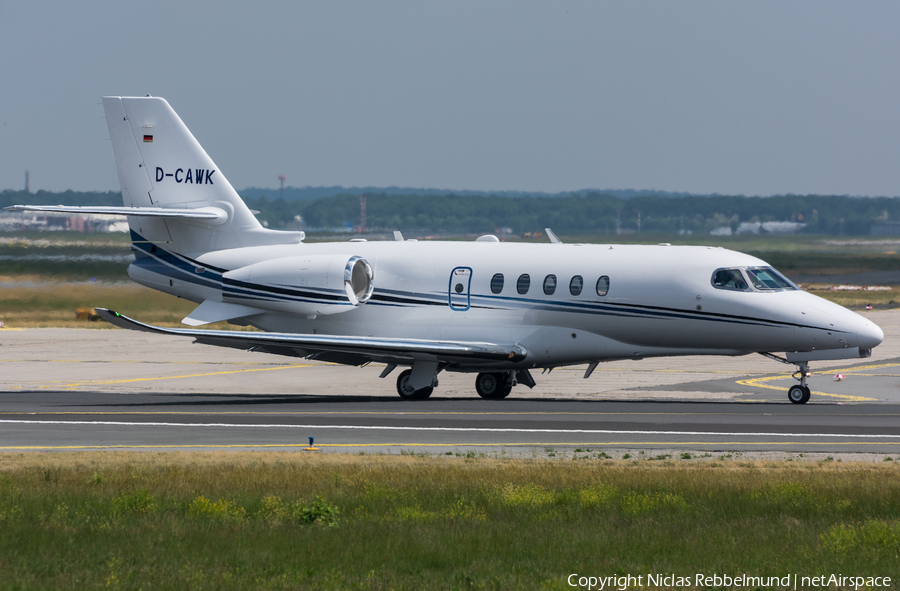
(295, 521)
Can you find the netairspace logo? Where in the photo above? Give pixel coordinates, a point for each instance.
(701, 580)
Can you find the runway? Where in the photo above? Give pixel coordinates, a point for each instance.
(54, 421)
(110, 389)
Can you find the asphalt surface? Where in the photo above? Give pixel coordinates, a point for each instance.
(111, 389)
(59, 420)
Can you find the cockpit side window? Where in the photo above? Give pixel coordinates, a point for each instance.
(729, 279)
(767, 278)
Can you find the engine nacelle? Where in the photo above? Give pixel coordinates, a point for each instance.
(308, 285)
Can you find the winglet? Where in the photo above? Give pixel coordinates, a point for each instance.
(120, 321)
(554, 239)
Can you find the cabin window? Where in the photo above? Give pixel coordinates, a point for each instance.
(767, 278)
(576, 285)
(729, 279)
(550, 284)
(497, 283)
(603, 286)
(523, 283)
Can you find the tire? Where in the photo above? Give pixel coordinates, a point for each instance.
(406, 392)
(798, 394)
(492, 386)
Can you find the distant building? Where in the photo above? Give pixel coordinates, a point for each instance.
(885, 229)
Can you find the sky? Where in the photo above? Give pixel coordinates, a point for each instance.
(753, 98)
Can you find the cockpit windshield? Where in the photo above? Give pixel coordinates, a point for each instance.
(767, 278)
(729, 279)
(761, 278)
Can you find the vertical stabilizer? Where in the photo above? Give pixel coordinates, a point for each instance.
(161, 164)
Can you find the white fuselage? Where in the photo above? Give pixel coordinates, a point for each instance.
(660, 300)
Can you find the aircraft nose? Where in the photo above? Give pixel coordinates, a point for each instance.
(869, 335)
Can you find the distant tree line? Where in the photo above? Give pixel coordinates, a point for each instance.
(9, 197)
(599, 213)
(294, 193)
(586, 212)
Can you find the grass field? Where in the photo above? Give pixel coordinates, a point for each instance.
(305, 521)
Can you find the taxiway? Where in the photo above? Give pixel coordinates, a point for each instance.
(110, 389)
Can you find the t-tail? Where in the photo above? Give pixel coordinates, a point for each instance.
(161, 165)
(174, 195)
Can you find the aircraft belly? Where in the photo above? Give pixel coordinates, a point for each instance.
(700, 333)
(561, 346)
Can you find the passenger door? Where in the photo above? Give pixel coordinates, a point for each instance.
(458, 291)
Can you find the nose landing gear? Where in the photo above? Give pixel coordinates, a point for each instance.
(798, 393)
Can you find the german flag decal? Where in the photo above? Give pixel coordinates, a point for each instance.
(148, 138)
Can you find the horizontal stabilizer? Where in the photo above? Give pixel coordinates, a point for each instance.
(212, 215)
(350, 350)
(210, 311)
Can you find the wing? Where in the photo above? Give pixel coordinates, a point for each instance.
(349, 350)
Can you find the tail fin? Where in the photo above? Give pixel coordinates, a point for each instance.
(161, 164)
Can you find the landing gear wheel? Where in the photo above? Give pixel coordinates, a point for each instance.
(492, 386)
(798, 394)
(406, 391)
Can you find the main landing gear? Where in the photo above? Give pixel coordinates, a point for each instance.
(494, 385)
(407, 392)
(490, 385)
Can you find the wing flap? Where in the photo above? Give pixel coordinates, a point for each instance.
(355, 349)
(210, 311)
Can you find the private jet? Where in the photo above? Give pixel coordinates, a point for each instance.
(495, 309)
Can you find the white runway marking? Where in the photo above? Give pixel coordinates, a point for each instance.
(449, 429)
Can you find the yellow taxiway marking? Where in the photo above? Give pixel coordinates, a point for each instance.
(73, 385)
(850, 371)
(135, 361)
(755, 382)
(516, 444)
(649, 370)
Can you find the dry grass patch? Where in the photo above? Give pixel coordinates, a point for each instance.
(53, 304)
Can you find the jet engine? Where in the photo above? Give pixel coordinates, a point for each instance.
(309, 285)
